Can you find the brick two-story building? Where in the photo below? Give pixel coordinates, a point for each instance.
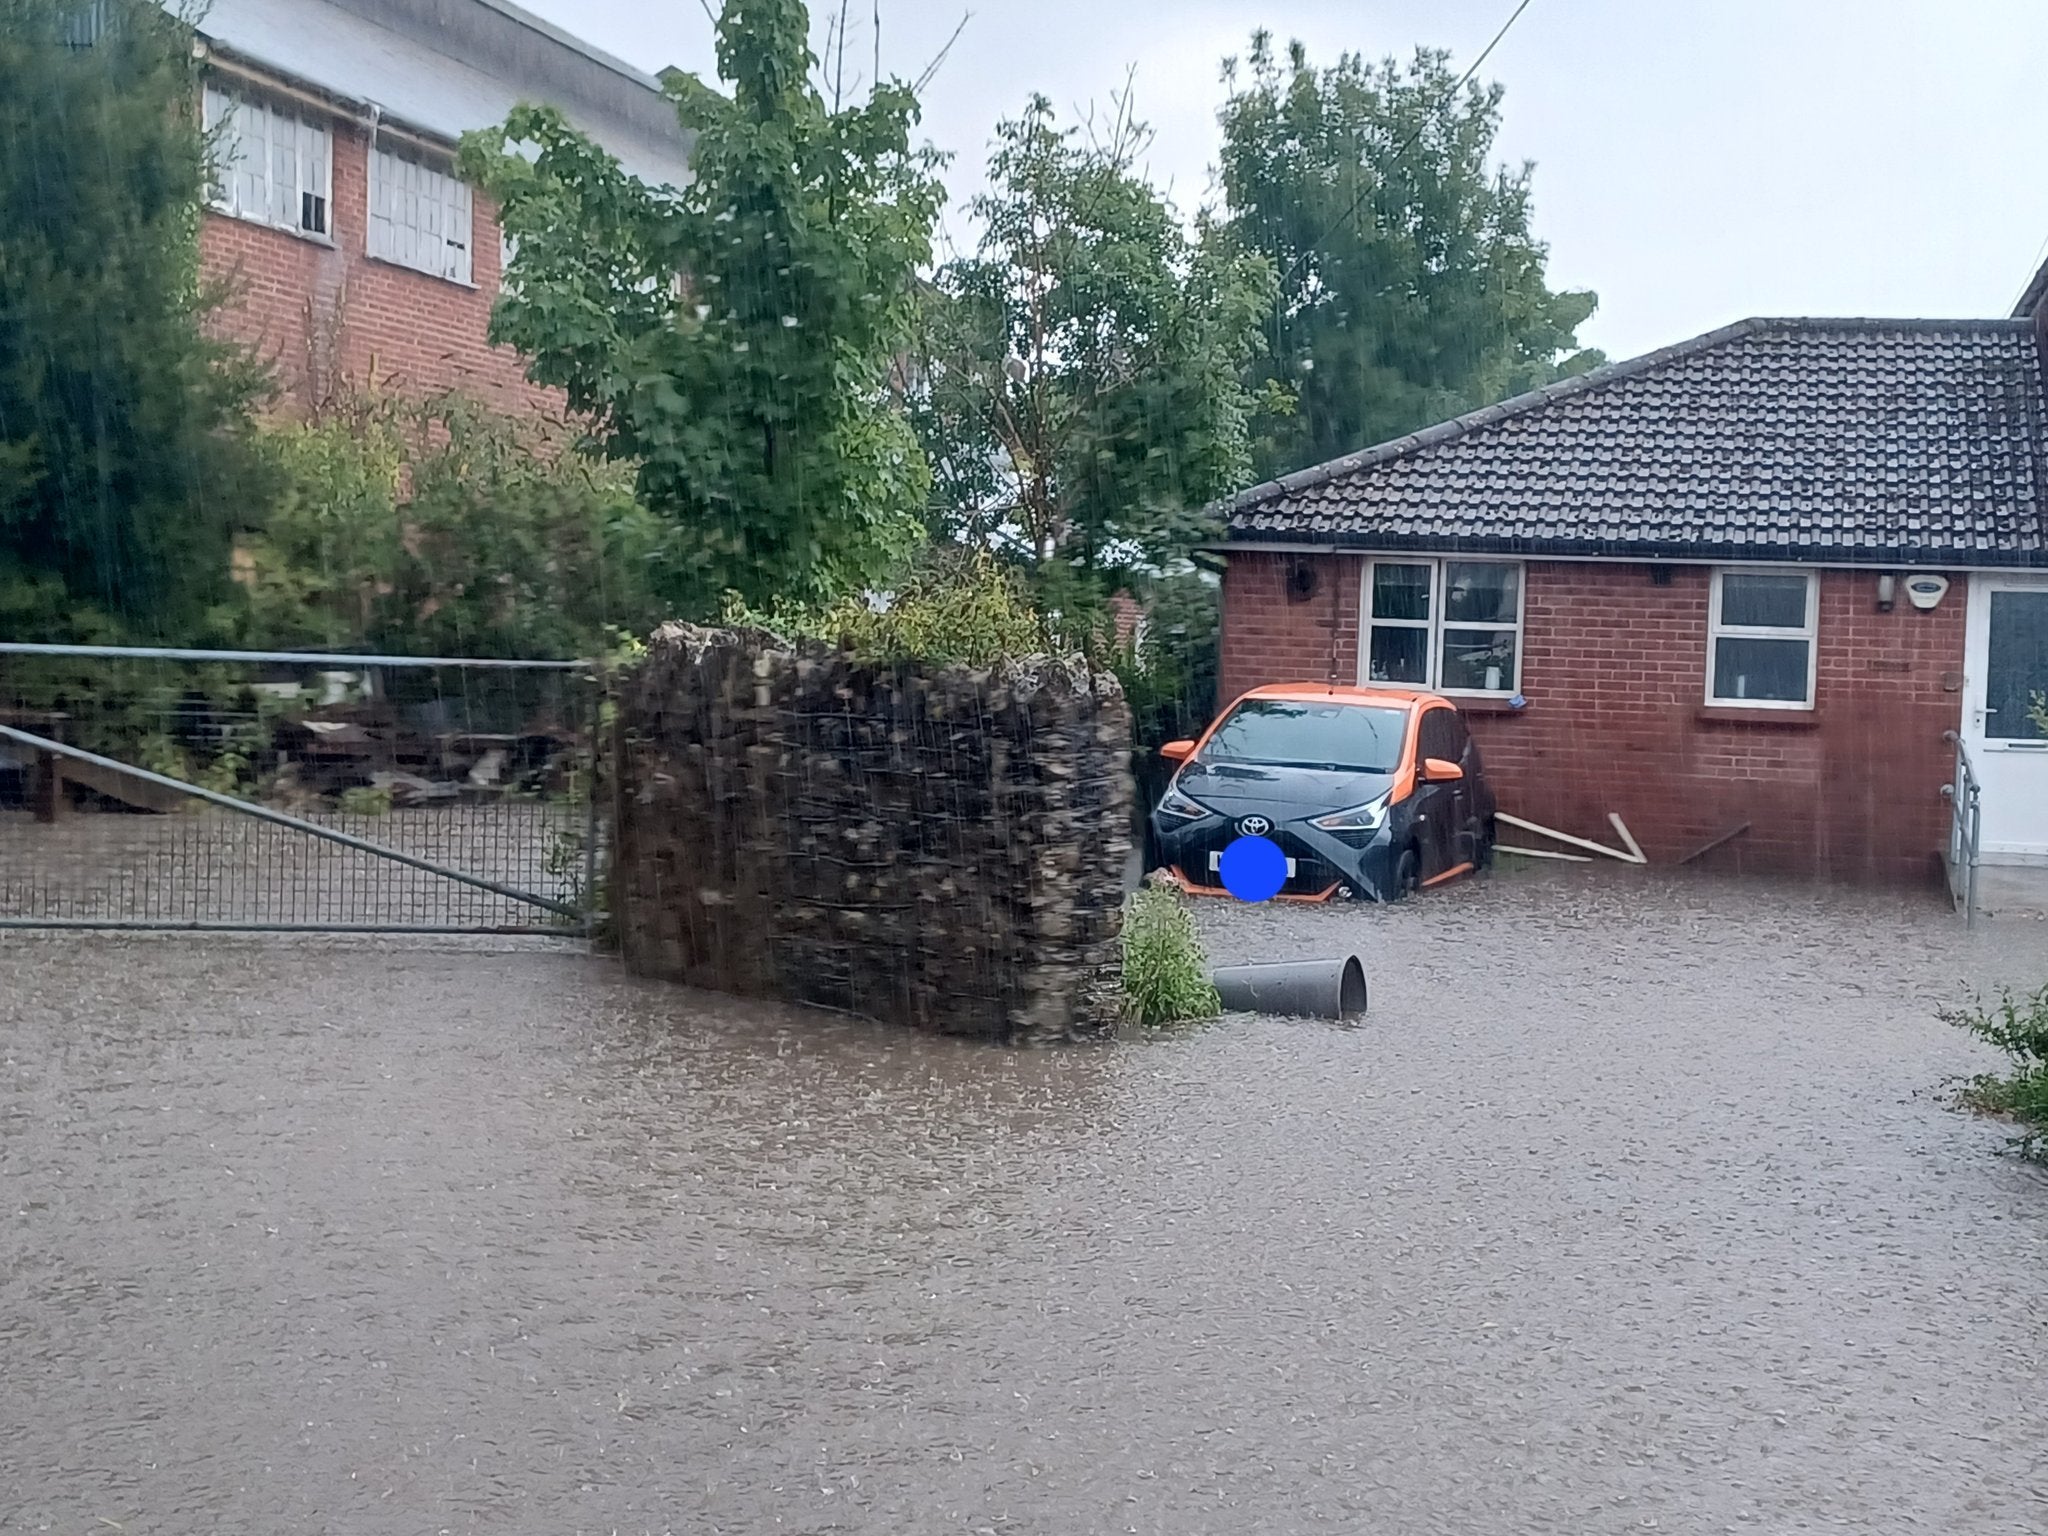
(354, 254)
(1740, 591)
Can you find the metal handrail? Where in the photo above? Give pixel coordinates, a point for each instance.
(1966, 828)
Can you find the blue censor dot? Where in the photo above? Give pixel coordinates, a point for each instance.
(1254, 869)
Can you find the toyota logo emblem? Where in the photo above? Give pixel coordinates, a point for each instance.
(1255, 826)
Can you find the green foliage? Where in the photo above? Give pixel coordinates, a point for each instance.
(125, 460)
(2018, 1026)
(441, 529)
(365, 800)
(949, 607)
(732, 339)
(1076, 382)
(1170, 676)
(1411, 286)
(1165, 970)
(2037, 712)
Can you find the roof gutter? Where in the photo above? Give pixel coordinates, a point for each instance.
(365, 114)
(1500, 549)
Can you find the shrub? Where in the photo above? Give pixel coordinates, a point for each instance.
(365, 800)
(444, 528)
(1166, 971)
(2018, 1026)
(951, 606)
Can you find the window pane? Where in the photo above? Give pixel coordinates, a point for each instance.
(1481, 594)
(1479, 658)
(1773, 670)
(1400, 591)
(2016, 670)
(1759, 601)
(1399, 656)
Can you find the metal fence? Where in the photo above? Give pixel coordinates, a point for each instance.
(268, 791)
(1965, 833)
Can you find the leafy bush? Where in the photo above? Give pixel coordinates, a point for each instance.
(443, 528)
(952, 606)
(366, 800)
(1166, 970)
(2019, 1028)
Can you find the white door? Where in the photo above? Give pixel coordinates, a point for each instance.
(2005, 673)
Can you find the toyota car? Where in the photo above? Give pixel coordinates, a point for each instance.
(1371, 793)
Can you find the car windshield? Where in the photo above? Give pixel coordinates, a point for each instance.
(1289, 733)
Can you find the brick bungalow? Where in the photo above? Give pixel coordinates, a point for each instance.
(1690, 588)
(352, 251)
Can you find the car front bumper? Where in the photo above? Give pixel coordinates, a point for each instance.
(1326, 866)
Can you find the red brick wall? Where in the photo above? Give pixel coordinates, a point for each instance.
(1614, 670)
(1268, 637)
(326, 316)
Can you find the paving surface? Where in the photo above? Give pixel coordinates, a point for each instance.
(1629, 1208)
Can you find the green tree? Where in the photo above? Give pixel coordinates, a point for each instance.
(1078, 383)
(732, 339)
(1411, 287)
(125, 459)
(440, 528)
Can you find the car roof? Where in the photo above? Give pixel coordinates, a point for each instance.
(1305, 693)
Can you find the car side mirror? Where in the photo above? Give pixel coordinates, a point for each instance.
(1437, 770)
(1177, 751)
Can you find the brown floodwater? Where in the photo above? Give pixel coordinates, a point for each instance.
(1629, 1207)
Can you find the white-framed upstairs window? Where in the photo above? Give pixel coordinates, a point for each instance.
(1451, 625)
(1762, 627)
(272, 165)
(420, 216)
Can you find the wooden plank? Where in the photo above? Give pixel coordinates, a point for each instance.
(1708, 847)
(1627, 838)
(1542, 853)
(138, 793)
(47, 791)
(1566, 837)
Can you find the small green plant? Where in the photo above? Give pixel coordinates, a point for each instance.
(1166, 971)
(2018, 1026)
(366, 800)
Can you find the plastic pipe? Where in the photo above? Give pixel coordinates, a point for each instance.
(1308, 989)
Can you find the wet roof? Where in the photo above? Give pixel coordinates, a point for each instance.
(1857, 440)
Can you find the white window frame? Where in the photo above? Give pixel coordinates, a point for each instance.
(268, 124)
(416, 212)
(1809, 632)
(1439, 566)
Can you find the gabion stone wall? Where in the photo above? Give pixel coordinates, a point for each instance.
(941, 848)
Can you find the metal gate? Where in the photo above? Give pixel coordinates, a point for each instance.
(259, 791)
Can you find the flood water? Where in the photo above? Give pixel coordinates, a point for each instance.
(1628, 1208)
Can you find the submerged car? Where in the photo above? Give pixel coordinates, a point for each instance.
(1371, 793)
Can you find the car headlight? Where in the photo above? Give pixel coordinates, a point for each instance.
(1174, 803)
(1360, 818)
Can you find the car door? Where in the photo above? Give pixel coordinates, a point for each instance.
(1436, 821)
(1464, 797)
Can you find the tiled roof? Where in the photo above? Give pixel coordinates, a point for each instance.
(1859, 440)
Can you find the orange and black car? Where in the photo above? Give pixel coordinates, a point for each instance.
(1371, 793)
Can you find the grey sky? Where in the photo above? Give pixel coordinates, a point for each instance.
(1697, 160)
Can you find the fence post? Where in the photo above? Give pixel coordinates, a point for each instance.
(599, 689)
